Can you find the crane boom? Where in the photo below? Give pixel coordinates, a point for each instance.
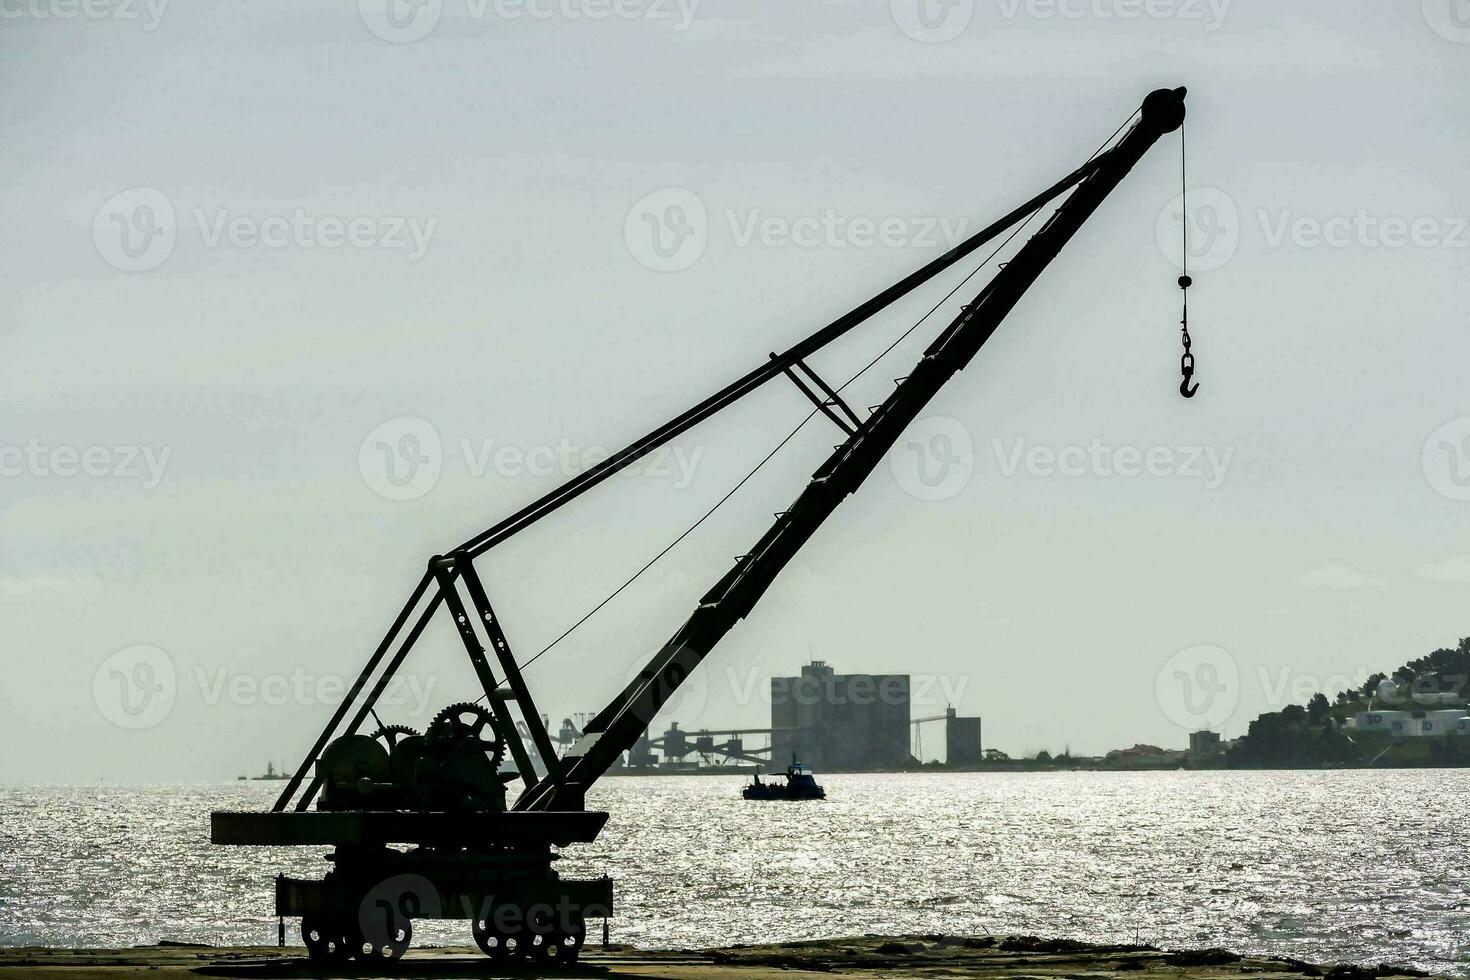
(617, 727)
(451, 580)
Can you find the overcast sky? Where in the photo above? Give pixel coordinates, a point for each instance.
(298, 294)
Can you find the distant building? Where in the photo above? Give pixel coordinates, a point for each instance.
(961, 740)
(1204, 745)
(841, 721)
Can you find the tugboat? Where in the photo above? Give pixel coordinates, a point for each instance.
(799, 785)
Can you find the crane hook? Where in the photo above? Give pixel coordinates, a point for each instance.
(1186, 363)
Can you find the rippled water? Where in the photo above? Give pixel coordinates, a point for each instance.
(1361, 866)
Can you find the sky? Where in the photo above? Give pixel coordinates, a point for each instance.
(299, 294)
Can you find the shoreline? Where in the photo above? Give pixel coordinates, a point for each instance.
(1015, 767)
(866, 958)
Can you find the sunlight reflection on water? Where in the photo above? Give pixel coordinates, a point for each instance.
(1359, 866)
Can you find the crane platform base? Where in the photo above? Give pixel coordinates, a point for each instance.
(517, 906)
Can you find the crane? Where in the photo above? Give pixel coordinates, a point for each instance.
(918, 738)
(473, 852)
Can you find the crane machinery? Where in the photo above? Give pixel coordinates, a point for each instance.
(420, 824)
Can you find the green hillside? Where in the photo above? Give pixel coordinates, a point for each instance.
(1315, 734)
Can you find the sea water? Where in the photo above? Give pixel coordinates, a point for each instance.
(1361, 866)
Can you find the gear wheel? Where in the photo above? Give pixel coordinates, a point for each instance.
(463, 723)
(391, 734)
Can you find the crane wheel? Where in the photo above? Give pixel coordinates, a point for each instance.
(327, 942)
(501, 945)
(564, 945)
(315, 938)
(386, 948)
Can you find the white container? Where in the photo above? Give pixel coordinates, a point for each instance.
(1429, 727)
(1388, 722)
(1399, 723)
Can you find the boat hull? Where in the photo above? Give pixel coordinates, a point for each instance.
(768, 792)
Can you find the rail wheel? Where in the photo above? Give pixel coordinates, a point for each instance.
(563, 944)
(315, 937)
(391, 945)
(325, 942)
(539, 936)
(575, 939)
(501, 945)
